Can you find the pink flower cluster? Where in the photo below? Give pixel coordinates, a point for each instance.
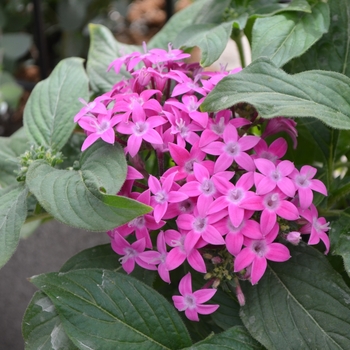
(220, 194)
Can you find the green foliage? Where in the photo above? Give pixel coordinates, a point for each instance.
(13, 212)
(302, 303)
(210, 38)
(89, 190)
(48, 113)
(103, 50)
(275, 93)
(102, 308)
(274, 37)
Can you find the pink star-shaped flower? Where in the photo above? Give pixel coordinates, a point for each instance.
(191, 302)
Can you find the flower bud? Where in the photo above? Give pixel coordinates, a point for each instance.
(293, 237)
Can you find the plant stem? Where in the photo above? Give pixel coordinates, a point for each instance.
(237, 38)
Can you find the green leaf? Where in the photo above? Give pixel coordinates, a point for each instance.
(227, 315)
(234, 338)
(75, 197)
(340, 239)
(49, 112)
(332, 51)
(299, 304)
(212, 11)
(319, 94)
(10, 149)
(104, 49)
(288, 35)
(265, 7)
(15, 45)
(105, 309)
(104, 257)
(210, 38)
(175, 25)
(13, 212)
(42, 328)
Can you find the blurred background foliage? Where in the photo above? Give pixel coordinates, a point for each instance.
(36, 34)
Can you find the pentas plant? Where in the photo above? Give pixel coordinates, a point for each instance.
(224, 200)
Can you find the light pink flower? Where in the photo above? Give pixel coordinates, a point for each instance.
(232, 149)
(130, 252)
(162, 195)
(273, 176)
(258, 251)
(178, 254)
(191, 302)
(305, 183)
(100, 127)
(317, 227)
(275, 204)
(154, 257)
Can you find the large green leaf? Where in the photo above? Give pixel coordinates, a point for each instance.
(175, 25)
(42, 328)
(85, 198)
(332, 51)
(320, 94)
(49, 112)
(13, 212)
(299, 304)
(104, 49)
(289, 35)
(340, 239)
(210, 38)
(107, 310)
(234, 338)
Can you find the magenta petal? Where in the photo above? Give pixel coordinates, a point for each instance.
(207, 309)
(245, 161)
(218, 205)
(248, 142)
(191, 240)
(154, 184)
(279, 147)
(251, 230)
(129, 265)
(196, 261)
(185, 285)
(175, 258)
(159, 211)
(259, 266)
(265, 186)
(287, 187)
(277, 252)
(164, 273)
(243, 259)
(265, 166)
(203, 295)
(236, 215)
(134, 144)
(318, 186)
(152, 136)
(288, 211)
(184, 222)
(234, 243)
(214, 148)
(285, 167)
(89, 141)
(108, 136)
(192, 189)
(192, 314)
(176, 197)
(267, 221)
(223, 162)
(179, 302)
(211, 235)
